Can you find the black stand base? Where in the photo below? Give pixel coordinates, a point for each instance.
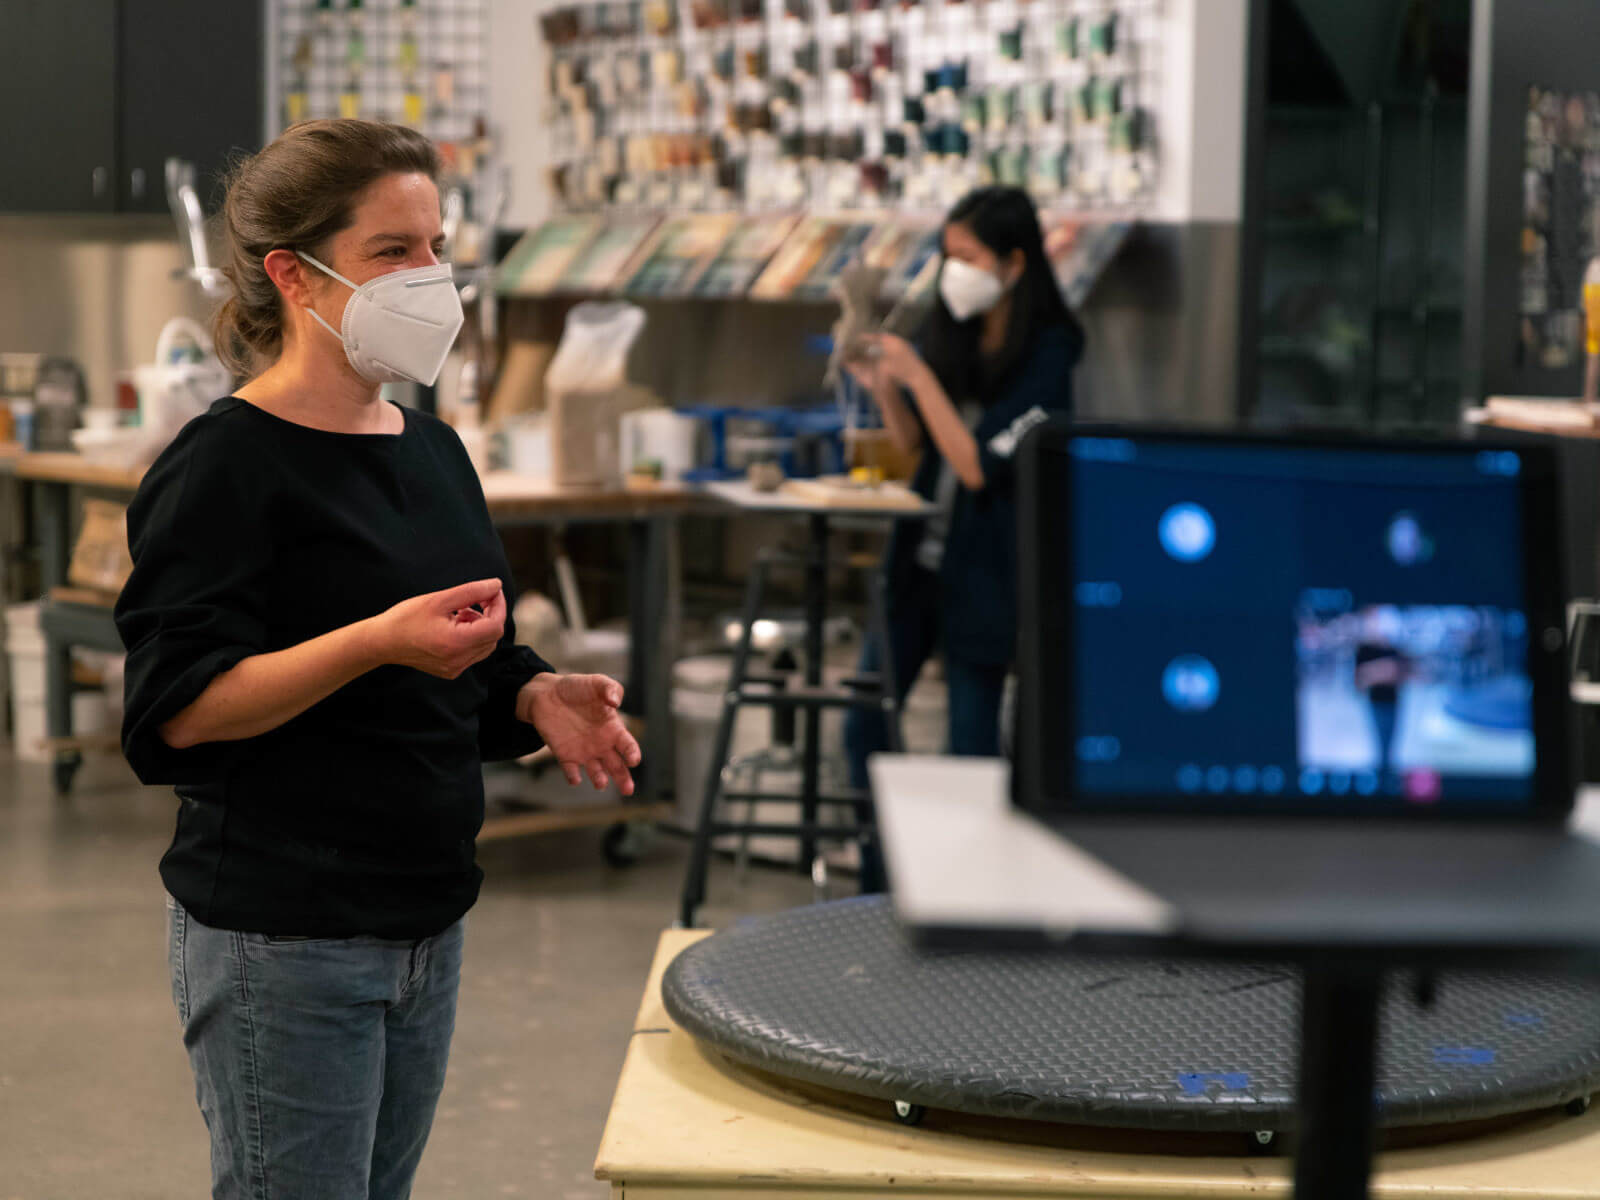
(1338, 1081)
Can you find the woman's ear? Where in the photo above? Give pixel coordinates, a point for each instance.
(1016, 264)
(291, 275)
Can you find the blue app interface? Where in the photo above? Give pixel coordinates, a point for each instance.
(1342, 624)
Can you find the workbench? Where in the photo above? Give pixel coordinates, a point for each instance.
(686, 1125)
(649, 510)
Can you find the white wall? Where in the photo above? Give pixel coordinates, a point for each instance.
(1202, 120)
(517, 64)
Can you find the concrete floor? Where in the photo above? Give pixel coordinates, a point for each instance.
(96, 1098)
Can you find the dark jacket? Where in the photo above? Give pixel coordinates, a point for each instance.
(978, 577)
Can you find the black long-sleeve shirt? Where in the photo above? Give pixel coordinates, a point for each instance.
(978, 574)
(252, 534)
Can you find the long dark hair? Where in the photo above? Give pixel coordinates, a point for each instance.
(1003, 219)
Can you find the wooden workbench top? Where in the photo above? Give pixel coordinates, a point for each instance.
(66, 466)
(684, 1124)
(507, 494)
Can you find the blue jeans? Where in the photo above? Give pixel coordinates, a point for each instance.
(975, 694)
(975, 689)
(317, 1063)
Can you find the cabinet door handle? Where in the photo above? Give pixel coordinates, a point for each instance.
(136, 183)
(97, 181)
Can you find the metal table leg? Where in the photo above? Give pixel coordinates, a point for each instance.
(816, 600)
(54, 522)
(54, 516)
(653, 642)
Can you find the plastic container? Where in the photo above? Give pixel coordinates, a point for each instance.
(92, 711)
(698, 685)
(110, 447)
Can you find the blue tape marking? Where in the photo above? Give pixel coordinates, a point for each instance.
(1463, 1056)
(1195, 1083)
(1525, 1020)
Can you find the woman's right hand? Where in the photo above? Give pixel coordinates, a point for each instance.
(444, 633)
(865, 374)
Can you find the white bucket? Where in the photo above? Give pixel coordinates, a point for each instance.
(24, 645)
(698, 687)
(92, 713)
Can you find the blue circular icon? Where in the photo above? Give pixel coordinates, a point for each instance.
(1245, 779)
(1272, 780)
(1187, 532)
(1217, 779)
(1339, 783)
(1311, 781)
(1190, 683)
(1367, 783)
(1408, 543)
(1099, 749)
(1191, 778)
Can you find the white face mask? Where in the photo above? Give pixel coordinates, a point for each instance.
(967, 290)
(399, 325)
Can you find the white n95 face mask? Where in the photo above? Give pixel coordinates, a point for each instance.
(967, 290)
(399, 325)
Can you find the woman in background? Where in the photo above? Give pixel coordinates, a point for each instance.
(994, 359)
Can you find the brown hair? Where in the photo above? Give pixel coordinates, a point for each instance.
(295, 194)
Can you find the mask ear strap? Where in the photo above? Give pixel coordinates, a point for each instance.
(315, 315)
(327, 270)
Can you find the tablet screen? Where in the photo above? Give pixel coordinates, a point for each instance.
(1332, 627)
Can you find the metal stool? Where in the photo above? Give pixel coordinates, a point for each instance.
(787, 698)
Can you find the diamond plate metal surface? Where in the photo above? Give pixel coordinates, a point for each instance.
(834, 995)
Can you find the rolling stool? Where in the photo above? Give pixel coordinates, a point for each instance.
(786, 697)
(72, 617)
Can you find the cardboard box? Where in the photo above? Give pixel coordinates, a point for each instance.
(100, 560)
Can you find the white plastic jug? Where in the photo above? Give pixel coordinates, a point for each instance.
(171, 393)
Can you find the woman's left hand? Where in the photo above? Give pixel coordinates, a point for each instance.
(898, 359)
(578, 717)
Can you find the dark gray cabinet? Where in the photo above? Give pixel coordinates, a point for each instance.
(100, 93)
(192, 87)
(58, 105)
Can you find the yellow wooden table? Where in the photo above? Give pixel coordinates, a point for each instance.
(685, 1125)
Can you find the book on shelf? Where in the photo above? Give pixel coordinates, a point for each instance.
(679, 252)
(1081, 251)
(796, 258)
(742, 257)
(542, 255)
(610, 256)
(853, 236)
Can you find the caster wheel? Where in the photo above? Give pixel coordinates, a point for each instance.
(909, 1114)
(65, 770)
(1263, 1141)
(1576, 1108)
(624, 843)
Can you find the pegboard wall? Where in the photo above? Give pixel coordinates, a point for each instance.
(829, 104)
(422, 63)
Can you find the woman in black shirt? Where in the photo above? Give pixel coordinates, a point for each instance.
(995, 359)
(320, 658)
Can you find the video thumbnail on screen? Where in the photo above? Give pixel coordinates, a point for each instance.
(1397, 699)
